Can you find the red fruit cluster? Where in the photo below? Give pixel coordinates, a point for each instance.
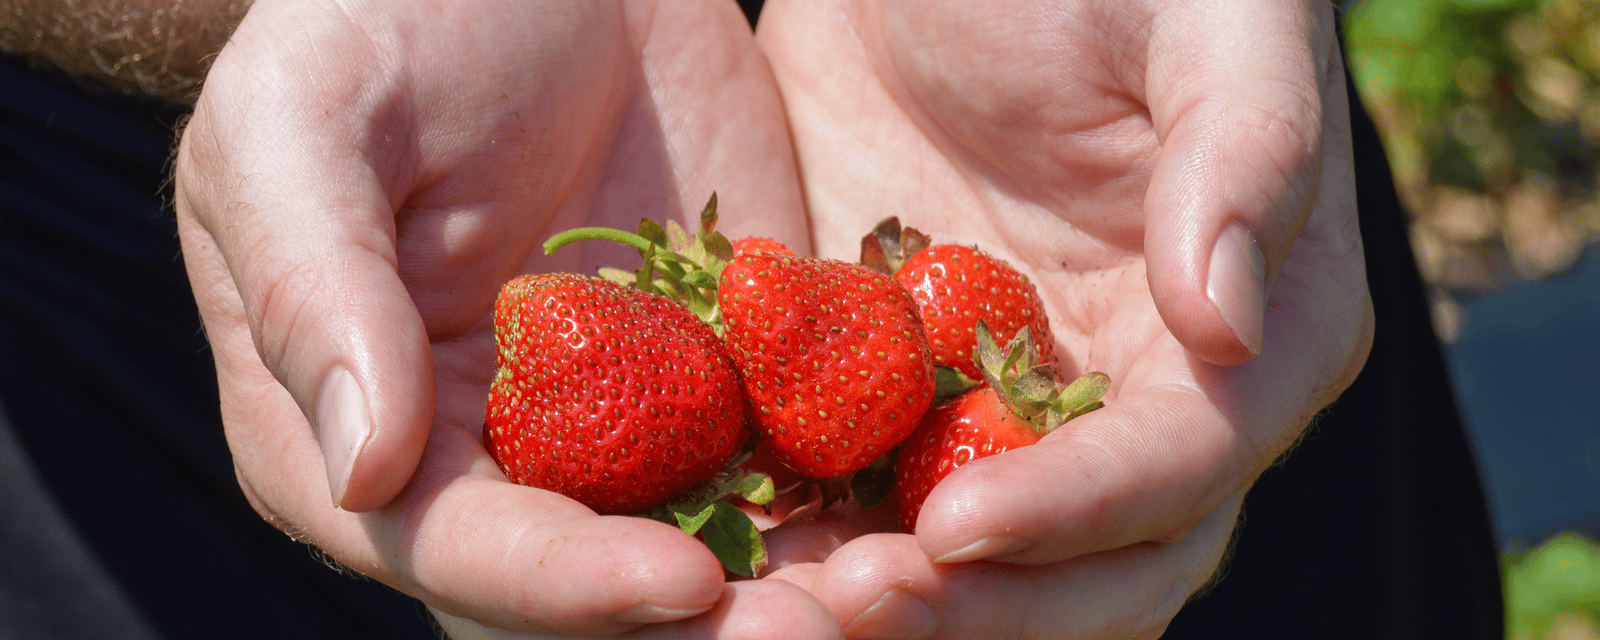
(971, 303)
(632, 393)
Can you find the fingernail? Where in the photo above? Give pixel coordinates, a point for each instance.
(1237, 284)
(897, 615)
(989, 547)
(342, 428)
(650, 614)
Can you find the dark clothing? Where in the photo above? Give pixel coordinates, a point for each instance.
(1377, 526)
(120, 516)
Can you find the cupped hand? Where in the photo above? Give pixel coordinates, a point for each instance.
(358, 180)
(1175, 176)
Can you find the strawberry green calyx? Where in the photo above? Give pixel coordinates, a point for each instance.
(681, 266)
(949, 383)
(1029, 388)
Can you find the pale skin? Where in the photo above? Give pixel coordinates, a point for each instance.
(1103, 148)
(359, 178)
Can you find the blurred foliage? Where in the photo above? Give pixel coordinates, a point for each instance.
(1553, 591)
(1490, 111)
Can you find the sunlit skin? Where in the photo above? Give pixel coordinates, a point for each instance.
(1083, 143)
(363, 212)
(360, 177)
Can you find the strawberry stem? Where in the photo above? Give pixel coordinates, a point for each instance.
(679, 265)
(557, 241)
(662, 271)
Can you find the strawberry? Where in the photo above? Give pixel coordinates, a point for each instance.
(832, 355)
(974, 425)
(612, 396)
(1019, 402)
(753, 244)
(956, 286)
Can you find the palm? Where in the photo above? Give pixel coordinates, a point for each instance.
(459, 136)
(1047, 172)
(1042, 141)
(428, 150)
(645, 128)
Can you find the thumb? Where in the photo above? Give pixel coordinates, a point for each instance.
(1238, 92)
(306, 236)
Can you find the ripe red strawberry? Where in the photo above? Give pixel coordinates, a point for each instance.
(956, 286)
(1017, 405)
(753, 244)
(974, 425)
(833, 357)
(614, 397)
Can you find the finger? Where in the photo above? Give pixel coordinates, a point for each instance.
(1145, 468)
(464, 540)
(297, 188)
(294, 192)
(884, 587)
(307, 235)
(802, 575)
(517, 558)
(810, 539)
(460, 537)
(1176, 438)
(1239, 94)
(316, 277)
(747, 611)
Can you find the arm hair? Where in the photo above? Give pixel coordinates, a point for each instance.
(159, 48)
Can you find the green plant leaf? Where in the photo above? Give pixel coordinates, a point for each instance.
(708, 215)
(718, 247)
(624, 278)
(692, 517)
(733, 538)
(754, 486)
(651, 230)
(677, 237)
(1086, 390)
(949, 383)
(699, 279)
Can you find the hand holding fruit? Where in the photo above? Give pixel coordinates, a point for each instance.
(346, 227)
(630, 393)
(358, 180)
(1175, 179)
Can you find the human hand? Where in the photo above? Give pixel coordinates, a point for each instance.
(358, 180)
(1176, 179)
